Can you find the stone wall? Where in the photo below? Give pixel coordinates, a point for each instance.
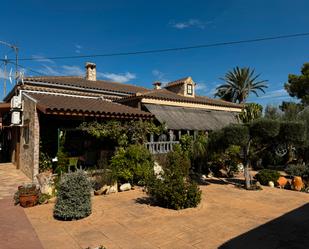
(29, 139)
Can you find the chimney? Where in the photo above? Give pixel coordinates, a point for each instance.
(157, 85)
(91, 71)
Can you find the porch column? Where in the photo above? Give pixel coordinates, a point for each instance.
(171, 135)
(195, 134)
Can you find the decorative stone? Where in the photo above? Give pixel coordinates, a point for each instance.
(258, 184)
(282, 181)
(271, 184)
(125, 187)
(112, 189)
(102, 190)
(298, 183)
(223, 173)
(45, 181)
(210, 175)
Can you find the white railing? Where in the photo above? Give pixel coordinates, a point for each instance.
(160, 147)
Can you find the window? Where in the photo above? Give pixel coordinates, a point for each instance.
(189, 89)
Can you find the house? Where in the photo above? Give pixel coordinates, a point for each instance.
(38, 109)
(177, 105)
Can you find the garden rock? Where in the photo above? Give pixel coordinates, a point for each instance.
(282, 181)
(125, 187)
(112, 189)
(271, 184)
(223, 173)
(298, 183)
(258, 184)
(45, 181)
(102, 190)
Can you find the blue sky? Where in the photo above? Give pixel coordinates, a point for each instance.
(58, 28)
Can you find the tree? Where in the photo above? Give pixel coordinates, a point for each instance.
(250, 112)
(272, 112)
(243, 135)
(290, 110)
(298, 85)
(239, 83)
(123, 133)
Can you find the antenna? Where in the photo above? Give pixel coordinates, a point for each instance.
(6, 61)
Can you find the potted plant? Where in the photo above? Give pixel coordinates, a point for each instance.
(27, 195)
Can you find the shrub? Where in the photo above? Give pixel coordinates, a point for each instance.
(73, 197)
(173, 189)
(270, 158)
(266, 175)
(297, 170)
(132, 164)
(45, 162)
(236, 134)
(43, 198)
(264, 128)
(292, 132)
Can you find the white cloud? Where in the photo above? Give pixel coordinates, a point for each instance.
(160, 76)
(78, 48)
(40, 58)
(72, 70)
(122, 78)
(201, 87)
(213, 90)
(62, 70)
(189, 24)
(281, 93)
(47, 70)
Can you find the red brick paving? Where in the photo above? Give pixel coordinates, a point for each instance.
(15, 229)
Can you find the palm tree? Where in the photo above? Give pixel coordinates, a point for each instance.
(239, 83)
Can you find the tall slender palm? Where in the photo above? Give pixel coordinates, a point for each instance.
(239, 83)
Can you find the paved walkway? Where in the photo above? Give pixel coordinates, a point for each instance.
(227, 217)
(10, 179)
(15, 229)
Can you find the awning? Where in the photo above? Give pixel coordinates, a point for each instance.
(182, 118)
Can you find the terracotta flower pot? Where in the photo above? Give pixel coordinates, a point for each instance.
(28, 200)
(298, 183)
(282, 181)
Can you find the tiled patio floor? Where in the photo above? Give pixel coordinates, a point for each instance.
(119, 221)
(10, 179)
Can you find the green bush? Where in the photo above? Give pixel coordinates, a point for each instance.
(297, 170)
(292, 132)
(269, 158)
(264, 129)
(133, 164)
(73, 197)
(235, 134)
(173, 189)
(266, 175)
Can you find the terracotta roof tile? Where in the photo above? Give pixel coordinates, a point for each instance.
(49, 103)
(87, 84)
(164, 94)
(177, 82)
